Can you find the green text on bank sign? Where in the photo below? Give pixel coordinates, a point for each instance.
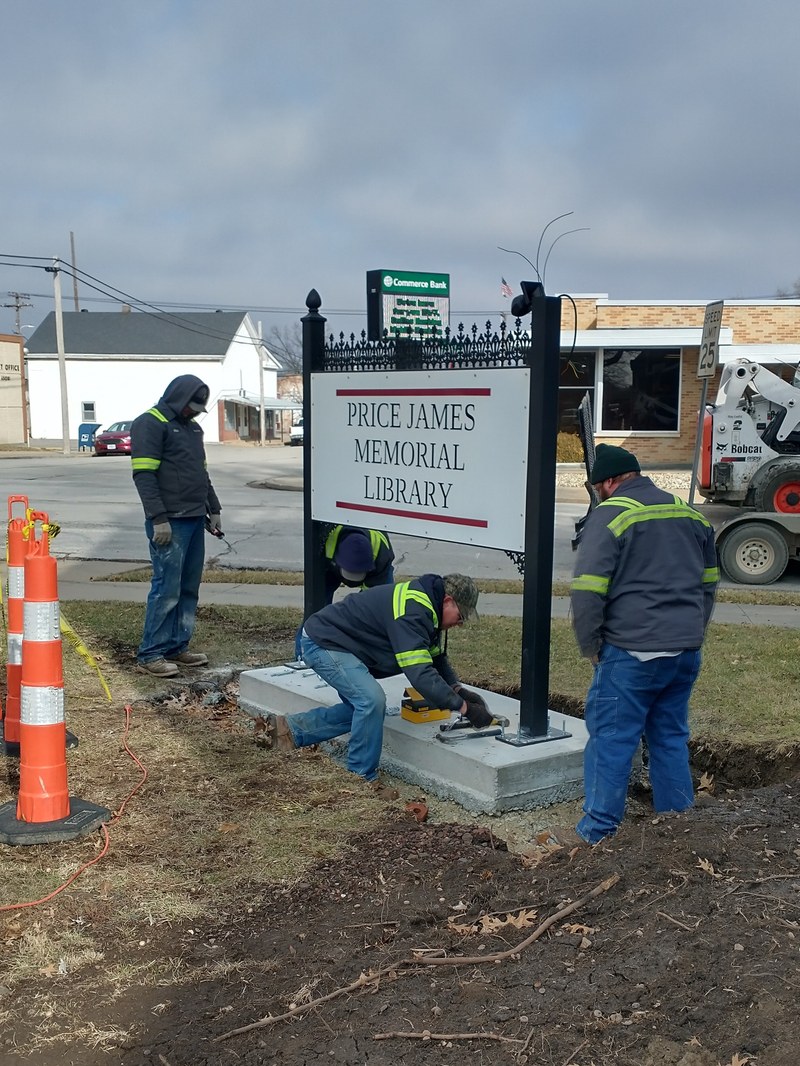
(437, 284)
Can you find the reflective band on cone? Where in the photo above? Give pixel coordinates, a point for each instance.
(43, 793)
(15, 593)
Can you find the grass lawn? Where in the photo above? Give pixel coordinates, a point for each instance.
(747, 691)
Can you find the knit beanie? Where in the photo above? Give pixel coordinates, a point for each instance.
(353, 556)
(611, 461)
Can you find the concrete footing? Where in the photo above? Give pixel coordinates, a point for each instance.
(483, 775)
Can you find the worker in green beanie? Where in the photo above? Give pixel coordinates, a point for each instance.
(645, 580)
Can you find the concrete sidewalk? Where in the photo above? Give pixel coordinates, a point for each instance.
(84, 580)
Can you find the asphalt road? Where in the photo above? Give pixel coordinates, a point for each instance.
(101, 518)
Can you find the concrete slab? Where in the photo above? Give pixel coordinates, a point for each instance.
(482, 775)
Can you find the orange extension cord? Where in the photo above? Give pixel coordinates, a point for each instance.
(114, 820)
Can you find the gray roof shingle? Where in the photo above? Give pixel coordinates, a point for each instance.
(115, 333)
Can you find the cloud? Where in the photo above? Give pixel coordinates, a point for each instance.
(238, 154)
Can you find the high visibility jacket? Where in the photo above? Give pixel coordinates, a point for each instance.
(168, 458)
(382, 555)
(646, 573)
(393, 629)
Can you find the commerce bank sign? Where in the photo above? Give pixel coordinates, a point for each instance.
(426, 454)
(407, 303)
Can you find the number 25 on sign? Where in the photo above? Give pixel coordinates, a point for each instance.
(707, 363)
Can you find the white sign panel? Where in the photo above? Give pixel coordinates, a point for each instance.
(441, 455)
(709, 345)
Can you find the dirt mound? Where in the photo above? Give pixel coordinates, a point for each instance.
(687, 953)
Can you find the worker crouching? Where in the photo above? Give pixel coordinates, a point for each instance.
(382, 632)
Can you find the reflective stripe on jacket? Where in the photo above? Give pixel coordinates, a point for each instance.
(646, 573)
(382, 553)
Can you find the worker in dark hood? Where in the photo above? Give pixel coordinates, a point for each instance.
(169, 472)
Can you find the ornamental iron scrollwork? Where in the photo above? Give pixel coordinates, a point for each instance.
(463, 349)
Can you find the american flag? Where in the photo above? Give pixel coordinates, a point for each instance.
(505, 289)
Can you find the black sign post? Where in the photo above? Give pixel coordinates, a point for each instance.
(313, 361)
(540, 509)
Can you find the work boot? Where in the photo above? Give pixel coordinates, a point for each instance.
(562, 837)
(188, 658)
(279, 735)
(158, 668)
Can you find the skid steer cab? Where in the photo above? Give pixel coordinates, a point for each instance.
(750, 450)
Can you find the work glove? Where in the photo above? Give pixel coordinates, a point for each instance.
(477, 712)
(214, 522)
(162, 534)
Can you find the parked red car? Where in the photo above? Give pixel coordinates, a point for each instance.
(117, 438)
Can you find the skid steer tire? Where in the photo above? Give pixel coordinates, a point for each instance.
(754, 553)
(779, 490)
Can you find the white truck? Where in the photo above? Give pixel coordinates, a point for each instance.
(750, 458)
(296, 432)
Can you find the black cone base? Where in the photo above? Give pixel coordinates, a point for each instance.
(83, 818)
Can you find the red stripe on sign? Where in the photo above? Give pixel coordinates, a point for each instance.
(413, 392)
(449, 519)
(733, 459)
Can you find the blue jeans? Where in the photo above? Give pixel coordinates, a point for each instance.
(172, 602)
(626, 700)
(360, 713)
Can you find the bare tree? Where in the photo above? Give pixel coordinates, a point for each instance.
(789, 294)
(286, 344)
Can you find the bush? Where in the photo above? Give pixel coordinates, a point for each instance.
(569, 448)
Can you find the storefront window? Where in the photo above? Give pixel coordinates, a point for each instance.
(575, 379)
(641, 390)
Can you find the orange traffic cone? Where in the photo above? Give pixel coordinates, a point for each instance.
(45, 812)
(15, 591)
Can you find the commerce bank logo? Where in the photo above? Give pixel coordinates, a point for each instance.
(393, 283)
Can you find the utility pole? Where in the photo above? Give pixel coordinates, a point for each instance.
(55, 270)
(74, 272)
(19, 299)
(262, 427)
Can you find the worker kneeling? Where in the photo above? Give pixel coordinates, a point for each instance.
(384, 631)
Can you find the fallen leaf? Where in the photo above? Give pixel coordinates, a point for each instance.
(704, 864)
(706, 783)
(523, 919)
(575, 927)
(228, 827)
(460, 930)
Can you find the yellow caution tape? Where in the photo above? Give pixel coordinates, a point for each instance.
(84, 653)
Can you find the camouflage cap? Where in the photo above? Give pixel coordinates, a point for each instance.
(465, 592)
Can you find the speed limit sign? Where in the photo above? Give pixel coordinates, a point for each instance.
(707, 363)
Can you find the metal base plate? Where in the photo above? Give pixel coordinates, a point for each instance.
(522, 740)
(82, 819)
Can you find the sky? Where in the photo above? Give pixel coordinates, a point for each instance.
(236, 154)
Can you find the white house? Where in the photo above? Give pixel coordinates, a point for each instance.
(119, 363)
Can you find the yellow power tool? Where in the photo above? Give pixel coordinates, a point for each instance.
(414, 708)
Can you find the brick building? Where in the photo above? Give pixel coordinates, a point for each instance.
(638, 361)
